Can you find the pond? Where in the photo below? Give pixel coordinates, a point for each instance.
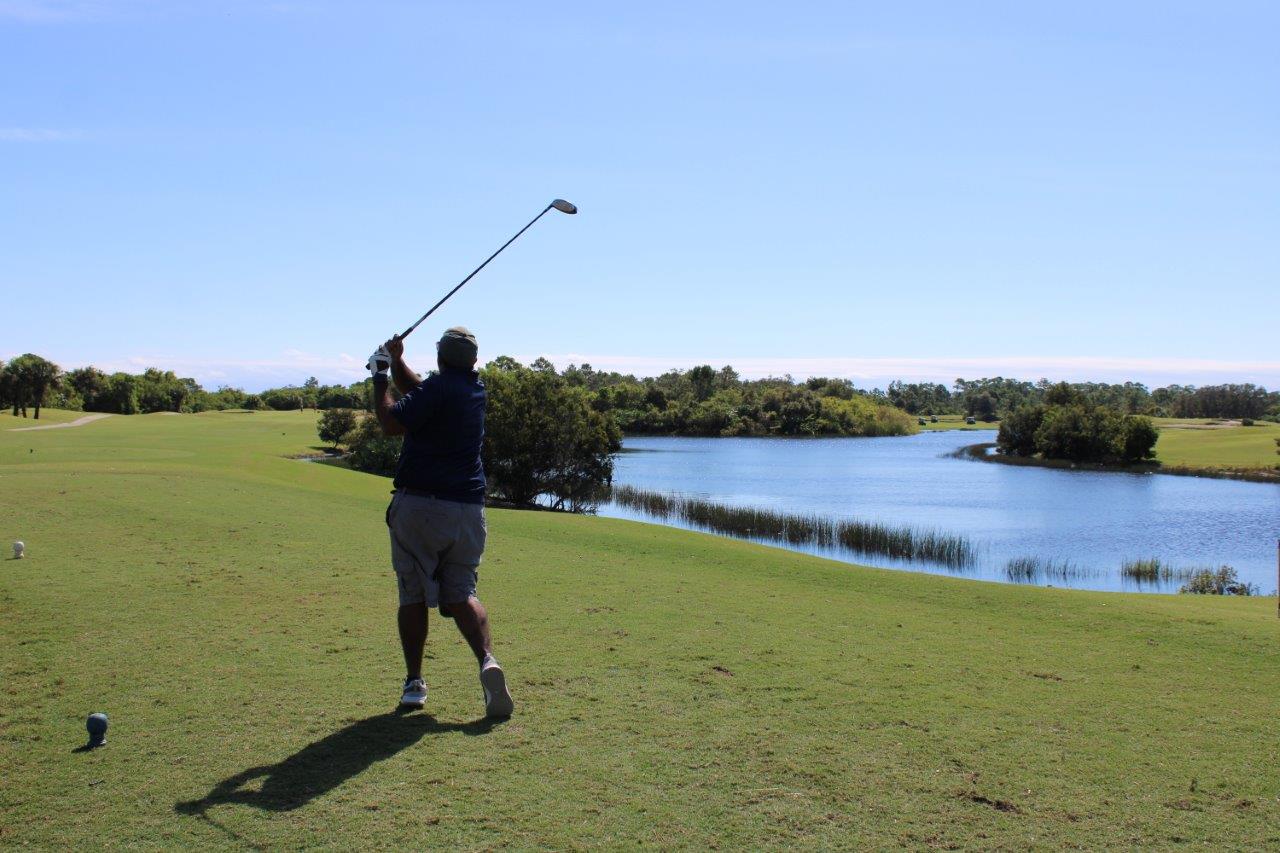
(1089, 521)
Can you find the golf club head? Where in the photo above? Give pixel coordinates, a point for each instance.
(564, 206)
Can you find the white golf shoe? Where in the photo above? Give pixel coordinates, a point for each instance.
(415, 693)
(497, 699)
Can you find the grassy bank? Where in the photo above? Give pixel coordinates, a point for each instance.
(1227, 445)
(1191, 448)
(231, 610)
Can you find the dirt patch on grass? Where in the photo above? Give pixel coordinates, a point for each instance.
(998, 805)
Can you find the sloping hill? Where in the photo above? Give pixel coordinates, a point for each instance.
(232, 610)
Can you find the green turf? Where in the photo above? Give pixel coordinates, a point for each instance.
(1196, 445)
(231, 610)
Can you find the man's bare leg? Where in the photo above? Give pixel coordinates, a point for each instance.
(473, 622)
(412, 621)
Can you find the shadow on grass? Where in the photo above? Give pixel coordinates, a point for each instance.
(322, 766)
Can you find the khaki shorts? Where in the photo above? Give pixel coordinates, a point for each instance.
(435, 548)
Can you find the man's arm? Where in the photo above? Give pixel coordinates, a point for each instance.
(401, 374)
(382, 404)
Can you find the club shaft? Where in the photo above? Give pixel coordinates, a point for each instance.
(445, 298)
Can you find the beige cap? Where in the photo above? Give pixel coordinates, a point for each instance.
(457, 347)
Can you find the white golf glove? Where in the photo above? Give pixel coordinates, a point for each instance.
(380, 362)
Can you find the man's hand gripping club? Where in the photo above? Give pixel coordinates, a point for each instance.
(380, 363)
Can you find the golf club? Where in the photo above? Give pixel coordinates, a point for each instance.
(559, 204)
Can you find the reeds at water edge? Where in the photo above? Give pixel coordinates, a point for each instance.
(904, 542)
(1152, 569)
(1034, 569)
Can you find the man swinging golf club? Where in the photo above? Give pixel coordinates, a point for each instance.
(436, 516)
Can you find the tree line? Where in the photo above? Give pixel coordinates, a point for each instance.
(704, 401)
(30, 382)
(700, 401)
(991, 398)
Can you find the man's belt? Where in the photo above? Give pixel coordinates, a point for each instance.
(417, 493)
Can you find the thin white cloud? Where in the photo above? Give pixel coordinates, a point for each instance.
(36, 134)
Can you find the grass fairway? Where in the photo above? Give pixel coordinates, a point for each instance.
(1195, 445)
(232, 611)
(946, 422)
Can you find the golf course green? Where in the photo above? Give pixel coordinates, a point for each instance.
(231, 610)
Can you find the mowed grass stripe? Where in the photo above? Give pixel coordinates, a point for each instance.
(232, 610)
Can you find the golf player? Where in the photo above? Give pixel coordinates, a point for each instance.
(436, 516)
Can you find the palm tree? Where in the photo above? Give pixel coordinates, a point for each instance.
(33, 378)
(45, 379)
(11, 389)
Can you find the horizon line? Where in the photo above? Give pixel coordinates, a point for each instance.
(292, 367)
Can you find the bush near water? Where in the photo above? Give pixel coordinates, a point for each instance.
(1067, 427)
(1221, 581)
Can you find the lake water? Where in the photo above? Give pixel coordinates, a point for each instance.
(1094, 520)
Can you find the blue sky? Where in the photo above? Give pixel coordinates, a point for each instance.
(252, 193)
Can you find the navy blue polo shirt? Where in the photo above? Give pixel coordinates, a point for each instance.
(444, 428)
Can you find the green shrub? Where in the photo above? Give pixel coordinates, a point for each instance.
(335, 424)
(372, 451)
(1138, 438)
(1017, 436)
(1222, 581)
(544, 440)
(1077, 432)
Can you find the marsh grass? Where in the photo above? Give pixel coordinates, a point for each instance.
(862, 537)
(1035, 569)
(1152, 570)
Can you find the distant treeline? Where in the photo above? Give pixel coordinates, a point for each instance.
(706, 401)
(30, 381)
(709, 402)
(700, 401)
(996, 397)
